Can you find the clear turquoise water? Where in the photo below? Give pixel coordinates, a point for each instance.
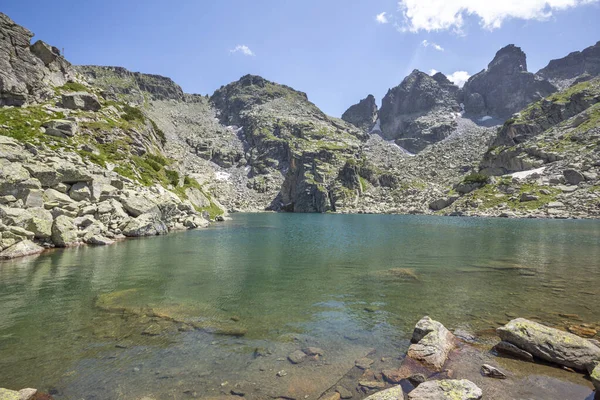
(318, 278)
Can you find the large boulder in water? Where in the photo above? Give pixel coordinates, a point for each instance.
(446, 390)
(64, 232)
(550, 344)
(21, 249)
(431, 343)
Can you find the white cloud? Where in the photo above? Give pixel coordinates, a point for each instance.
(432, 71)
(382, 18)
(436, 15)
(426, 43)
(241, 48)
(459, 78)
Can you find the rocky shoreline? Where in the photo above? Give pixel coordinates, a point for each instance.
(441, 365)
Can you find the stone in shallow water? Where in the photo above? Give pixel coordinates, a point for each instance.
(550, 344)
(297, 357)
(431, 343)
(23, 248)
(446, 390)
(513, 351)
(492, 372)
(363, 363)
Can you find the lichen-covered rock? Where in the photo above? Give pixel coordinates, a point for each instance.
(431, 343)
(80, 191)
(137, 205)
(446, 390)
(21, 249)
(64, 232)
(395, 393)
(145, 225)
(550, 344)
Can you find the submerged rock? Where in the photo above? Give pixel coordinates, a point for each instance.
(431, 343)
(395, 393)
(550, 344)
(492, 372)
(446, 390)
(513, 351)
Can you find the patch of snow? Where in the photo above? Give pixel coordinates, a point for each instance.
(462, 109)
(525, 174)
(222, 176)
(486, 118)
(376, 127)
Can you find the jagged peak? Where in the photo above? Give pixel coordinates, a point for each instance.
(510, 59)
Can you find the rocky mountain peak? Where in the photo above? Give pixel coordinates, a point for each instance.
(420, 111)
(362, 115)
(441, 79)
(509, 60)
(505, 87)
(576, 67)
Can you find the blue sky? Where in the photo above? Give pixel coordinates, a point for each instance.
(337, 51)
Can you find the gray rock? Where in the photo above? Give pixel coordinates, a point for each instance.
(556, 204)
(578, 65)
(550, 344)
(145, 225)
(64, 232)
(492, 372)
(297, 357)
(431, 343)
(60, 128)
(513, 351)
(442, 203)
(98, 240)
(363, 363)
(21, 249)
(525, 197)
(80, 191)
(395, 393)
(22, 232)
(81, 101)
(35, 198)
(27, 394)
(47, 175)
(71, 173)
(52, 196)
(138, 205)
(40, 223)
(573, 177)
(446, 390)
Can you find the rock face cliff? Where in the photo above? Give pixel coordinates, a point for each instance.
(28, 71)
(576, 67)
(505, 87)
(362, 115)
(420, 111)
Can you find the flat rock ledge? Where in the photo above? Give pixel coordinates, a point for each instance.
(450, 389)
(431, 343)
(551, 344)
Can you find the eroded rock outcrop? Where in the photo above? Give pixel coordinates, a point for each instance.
(505, 87)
